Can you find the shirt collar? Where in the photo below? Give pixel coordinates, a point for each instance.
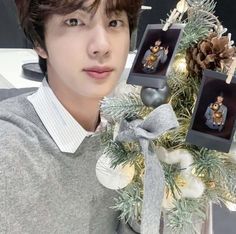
(67, 133)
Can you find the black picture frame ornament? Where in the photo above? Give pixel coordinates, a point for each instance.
(156, 78)
(213, 85)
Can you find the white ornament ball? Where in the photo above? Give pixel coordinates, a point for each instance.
(194, 187)
(111, 178)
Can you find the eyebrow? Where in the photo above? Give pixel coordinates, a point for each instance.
(91, 12)
(81, 11)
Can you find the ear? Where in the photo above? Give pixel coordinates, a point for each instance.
(41, 52)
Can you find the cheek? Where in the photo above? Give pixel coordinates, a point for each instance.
(64, 55)
(62, 50)
(67, 45)
(121, 52)
(127, 45)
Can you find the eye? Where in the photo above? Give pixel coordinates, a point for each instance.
(116, 23)
(73, 22)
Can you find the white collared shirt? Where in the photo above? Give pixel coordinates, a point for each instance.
(67, 133)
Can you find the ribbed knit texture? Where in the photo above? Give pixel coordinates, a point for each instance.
(43, 190)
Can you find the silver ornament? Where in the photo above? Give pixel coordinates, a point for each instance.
(154, 97)
(195, 3)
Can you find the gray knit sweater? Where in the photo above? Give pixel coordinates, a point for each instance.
(43, 190)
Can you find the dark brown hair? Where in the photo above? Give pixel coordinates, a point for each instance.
(34, 13)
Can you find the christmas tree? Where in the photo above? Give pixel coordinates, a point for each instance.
(194, 176)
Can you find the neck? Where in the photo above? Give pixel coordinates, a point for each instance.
(83, 109)
(85, 112)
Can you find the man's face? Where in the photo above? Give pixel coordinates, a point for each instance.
(220, 99)
(86, 53)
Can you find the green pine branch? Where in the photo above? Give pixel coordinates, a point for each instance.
(129, 203)
(125, 106)
(212, 167)
(171, 172)
(208, 163)
(121, 155)
(199, 21)
(186, 215)
(106, 134)
(228, 183)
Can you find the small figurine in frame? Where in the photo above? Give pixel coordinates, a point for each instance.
(213, 122)
(216, 113)
(155, 56)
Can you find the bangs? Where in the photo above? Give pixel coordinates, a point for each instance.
(117, 6)
(34, 13)
(64, 7)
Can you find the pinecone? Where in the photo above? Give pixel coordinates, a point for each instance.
(212, 53)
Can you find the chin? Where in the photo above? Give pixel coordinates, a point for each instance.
(102, 93)
(108, 93)
(97, 95)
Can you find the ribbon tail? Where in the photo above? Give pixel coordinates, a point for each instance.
(153, 190)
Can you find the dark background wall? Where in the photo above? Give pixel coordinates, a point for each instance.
(11, 35)
(225, 10)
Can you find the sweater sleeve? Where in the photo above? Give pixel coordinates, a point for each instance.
(3, 210)
(9, 152)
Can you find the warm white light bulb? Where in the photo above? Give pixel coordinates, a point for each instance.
(146, 7)
(182, 6)
(180, 64)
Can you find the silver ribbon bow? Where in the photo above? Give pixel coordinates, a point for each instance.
(156, 123)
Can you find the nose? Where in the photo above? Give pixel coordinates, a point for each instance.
(99, 44)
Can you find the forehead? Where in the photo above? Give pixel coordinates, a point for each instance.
(90, 6)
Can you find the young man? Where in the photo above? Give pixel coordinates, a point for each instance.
(48, 147)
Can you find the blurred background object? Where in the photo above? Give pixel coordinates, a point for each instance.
(11, 35)
(225, 10)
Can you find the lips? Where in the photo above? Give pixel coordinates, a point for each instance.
(98, 72)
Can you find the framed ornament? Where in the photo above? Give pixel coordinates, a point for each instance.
(214, 119)
(155, 56)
